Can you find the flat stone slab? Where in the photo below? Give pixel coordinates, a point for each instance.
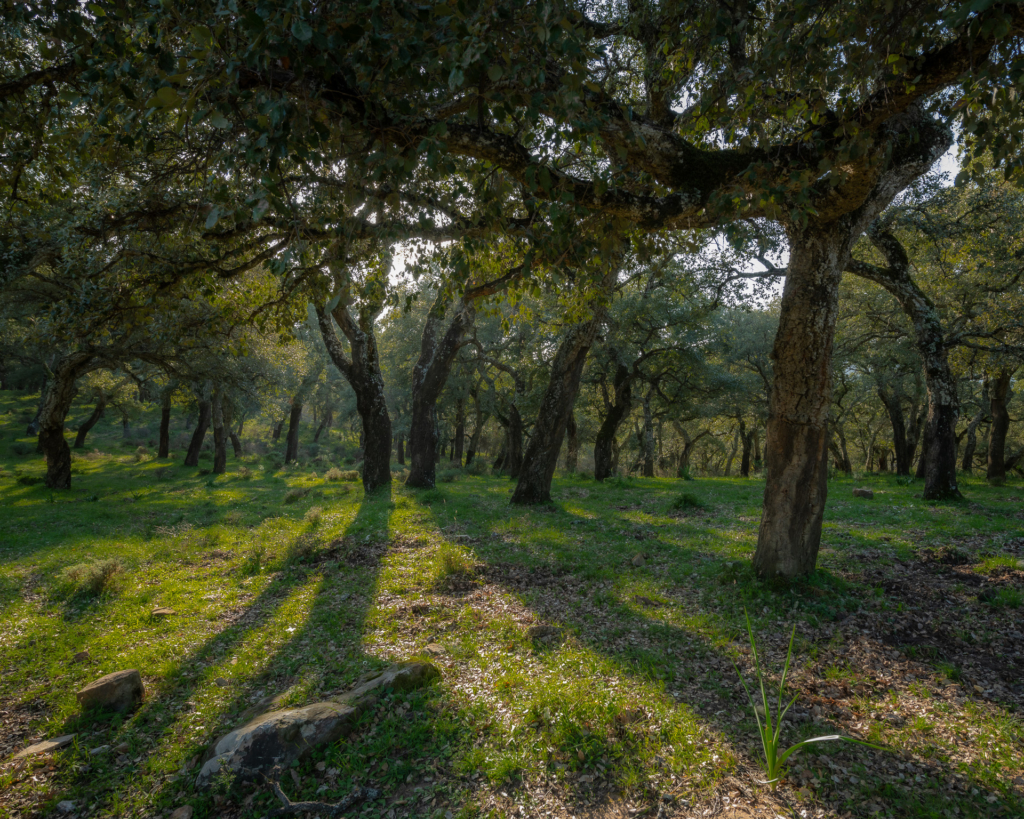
(863, 493)
(120, 691)
(46, 746)
(283, 736)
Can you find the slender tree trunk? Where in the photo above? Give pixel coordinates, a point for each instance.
(437, 355)
(516, 432)
(649, 446)
(474, 441)
(971, 433)
(164, 449)
(847, 465)
(617, 411)
(291, 450)
(883, 460)
(220, 450)
(541, 456)
(126, 427)
(278, 427)
(196, 444)
(499, 462)
(732, 453)
(572, 446)
(400, 448)
(894, 408)
(91, 421)
(797, 440)
(325, 425)
(53, 410)
(363, 373)
(747, 439)
(460, 431)
(999, 396)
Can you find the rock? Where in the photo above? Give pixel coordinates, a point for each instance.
(120, 691)
(163, 611)
(434, 650)
(123, 748)
(184, 812)
(46, 746)
(545, 634)
(221, 682)
(861, 492)
(81, 657)
(638, 560)
(99, 749)
(66, 806)
(284, 736)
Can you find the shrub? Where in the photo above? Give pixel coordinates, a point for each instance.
(20, 448)
(335, 474)
(254, 559)
(305, 548)
(293, 495)
(451, 568)
(686, 502)
(314, 515)
(478, 467)
(448, 475)
(141, 454)
(684, 473)
(30, 480)
(93, 579)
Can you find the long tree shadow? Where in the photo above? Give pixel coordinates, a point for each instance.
(633, 625)
(321, 601)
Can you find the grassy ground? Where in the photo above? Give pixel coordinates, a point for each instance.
(628, 703)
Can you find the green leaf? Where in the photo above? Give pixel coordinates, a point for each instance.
(495, 71)
(213, 218)
(165, 97)
(218, 120)
(301, 30)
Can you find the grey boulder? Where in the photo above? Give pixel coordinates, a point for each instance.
(120, 691)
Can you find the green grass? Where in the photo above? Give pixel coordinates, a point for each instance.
(286, 581)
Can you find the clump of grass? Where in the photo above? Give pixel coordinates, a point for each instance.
(141, 454)
(293, 495)
(335, 474)
(448, 475)
(305, 548)
(314, 515)
(451, 568)
(1008, 598)
(93, 579)
(252, 562)
(30, 480)
(234, 517)
(688, 502)
(21, 449)
(244, 473)
(477, 467)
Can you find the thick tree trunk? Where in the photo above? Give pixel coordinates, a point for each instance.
(325, 424)
(164, 448)
(437, 355)
(460, 432)
(53, 410)
(618, 409)
(572, 445)
(797, 440)
(91, 421)
(999, 395)
(894, 408)
(541, 456)
(363, 374)
(220, 449)
(291, 449)
(199, 435)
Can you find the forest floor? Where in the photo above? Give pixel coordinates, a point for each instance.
(909, 636)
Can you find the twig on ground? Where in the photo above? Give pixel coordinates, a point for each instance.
(360, 794)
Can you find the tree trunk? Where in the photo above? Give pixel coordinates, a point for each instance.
(400, 448)
(617, 410)
(460, 432)
(732, 453)
(847, 465)
(196, 444)
(325, 424)
(90, 422)
(747, 439)
(474, 441)
(541, 456)
(883, 460)
(291, 449)
(572, 446)
(437, 355)
(164, 449)
(999, 395)
(53, 410)
(894, 407)
(220, 449)
(278, 427)
(126, 427)
(797, 441)
(648, 444)
(363, 374)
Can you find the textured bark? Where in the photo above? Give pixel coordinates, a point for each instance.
(617, 409)
(541, 456)
(53, 410)
(797, 442)
(999, 395)
(164, 448)
(437, 355)
(220, 448)
(91, 421)
(203, 424)
(938, 448)
(291, 449)
(572, 444)
(362, 371)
